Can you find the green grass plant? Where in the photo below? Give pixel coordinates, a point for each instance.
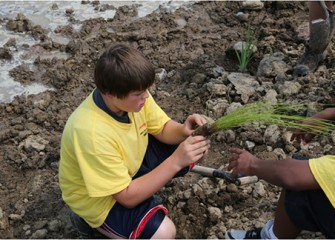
(280, 114)
(245, 55)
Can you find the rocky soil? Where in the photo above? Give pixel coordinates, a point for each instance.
(197, 72)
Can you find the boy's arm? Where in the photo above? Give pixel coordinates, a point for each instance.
(288, 173)
(188, 152)
(174, 132)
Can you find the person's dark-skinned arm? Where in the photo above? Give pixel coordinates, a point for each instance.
(326, 114)
(288, 173)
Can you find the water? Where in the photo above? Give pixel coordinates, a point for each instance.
(50, 15)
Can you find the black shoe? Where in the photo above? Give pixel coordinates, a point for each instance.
(241, 234)
(84, 229)
(309, 63)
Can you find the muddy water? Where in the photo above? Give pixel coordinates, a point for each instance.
(50, 15)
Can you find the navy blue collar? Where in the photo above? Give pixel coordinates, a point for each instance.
(98, 100)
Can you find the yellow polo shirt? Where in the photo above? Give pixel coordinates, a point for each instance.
(323, 169)
(100, 155)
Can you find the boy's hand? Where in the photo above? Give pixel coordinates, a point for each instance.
(192, 122)
(191, 151)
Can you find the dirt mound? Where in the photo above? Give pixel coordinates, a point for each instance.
(196, 73)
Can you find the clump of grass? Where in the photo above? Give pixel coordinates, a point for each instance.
(245, 55)
(269, 114)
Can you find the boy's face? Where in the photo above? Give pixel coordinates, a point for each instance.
(133, 102)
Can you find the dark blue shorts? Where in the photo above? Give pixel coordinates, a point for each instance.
(143, 220)
(311, 210)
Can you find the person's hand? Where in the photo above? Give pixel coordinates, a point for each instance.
(192, 122)
(240, 162)
(191, 150)
(326, 114)
(300, 135)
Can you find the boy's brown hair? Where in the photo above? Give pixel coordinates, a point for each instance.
(122, 69)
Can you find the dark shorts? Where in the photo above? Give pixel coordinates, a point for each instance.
(139, 222)
(311, 210)
(143, 220)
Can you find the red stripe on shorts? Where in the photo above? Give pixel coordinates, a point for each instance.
(137, 232)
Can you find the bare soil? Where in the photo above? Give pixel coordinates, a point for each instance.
(188, 44)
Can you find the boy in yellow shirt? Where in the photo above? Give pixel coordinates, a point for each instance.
(119, 148)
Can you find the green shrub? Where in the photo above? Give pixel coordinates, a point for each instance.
(244, 57)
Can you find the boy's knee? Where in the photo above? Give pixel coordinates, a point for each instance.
(167, 230)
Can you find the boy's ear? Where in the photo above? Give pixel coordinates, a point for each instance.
(109, 95)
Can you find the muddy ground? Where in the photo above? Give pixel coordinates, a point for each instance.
(196, 73)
